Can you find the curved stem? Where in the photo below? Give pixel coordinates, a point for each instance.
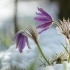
(43, 54)
(57, 23)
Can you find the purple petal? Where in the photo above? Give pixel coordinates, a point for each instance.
(40, 14)
(21, 44)
(19, 35)
(47, 24)
(41, 19)
(28, 43)
(43, 30)
(46, 14)
(16, 36)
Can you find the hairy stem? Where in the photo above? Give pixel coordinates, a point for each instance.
(43, 54)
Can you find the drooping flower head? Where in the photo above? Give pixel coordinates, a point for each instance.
(20, 41)
(21, 37)
(64, 27)
(45, 20)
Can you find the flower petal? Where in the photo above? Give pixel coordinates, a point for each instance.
(21, 44)
(46, 14)
(28, 43)
(43, 30)
(41, 19)
(41, 10)
(47, 24)
(17, 38)
(40, 14)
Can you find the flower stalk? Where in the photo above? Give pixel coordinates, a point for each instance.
(69, 58)
(43, 54)
(69, 51)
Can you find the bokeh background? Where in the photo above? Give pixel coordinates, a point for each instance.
(16, 15)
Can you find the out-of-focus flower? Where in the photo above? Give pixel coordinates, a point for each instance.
(21, 37)
(64, 27)
(20, 41)
(44, 18)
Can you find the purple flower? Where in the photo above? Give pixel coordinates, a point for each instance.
(22, 36)
(44, 18)
(21, 40)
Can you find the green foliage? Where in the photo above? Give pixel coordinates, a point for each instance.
(32, 66)
(64, 47)
(4, 40)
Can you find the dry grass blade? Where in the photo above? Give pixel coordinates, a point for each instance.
(59, 57)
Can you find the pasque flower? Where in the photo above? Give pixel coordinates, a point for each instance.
(45, 20)
(20, 41)
(21, 37)
(64, 27)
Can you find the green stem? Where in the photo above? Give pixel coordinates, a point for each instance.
(69, 51)
(43, 54)
(69, 59)
(69, 42)
(57, 23)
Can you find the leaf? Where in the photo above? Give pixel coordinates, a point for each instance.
(64, 47)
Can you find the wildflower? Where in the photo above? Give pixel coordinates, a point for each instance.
(20, 41)
(64, 27)
(44, 18)
(21, 37)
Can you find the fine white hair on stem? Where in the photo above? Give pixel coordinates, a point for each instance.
(64, 27)
(31, 32)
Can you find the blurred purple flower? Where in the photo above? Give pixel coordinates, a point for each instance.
(20, 41)
(44, 18)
